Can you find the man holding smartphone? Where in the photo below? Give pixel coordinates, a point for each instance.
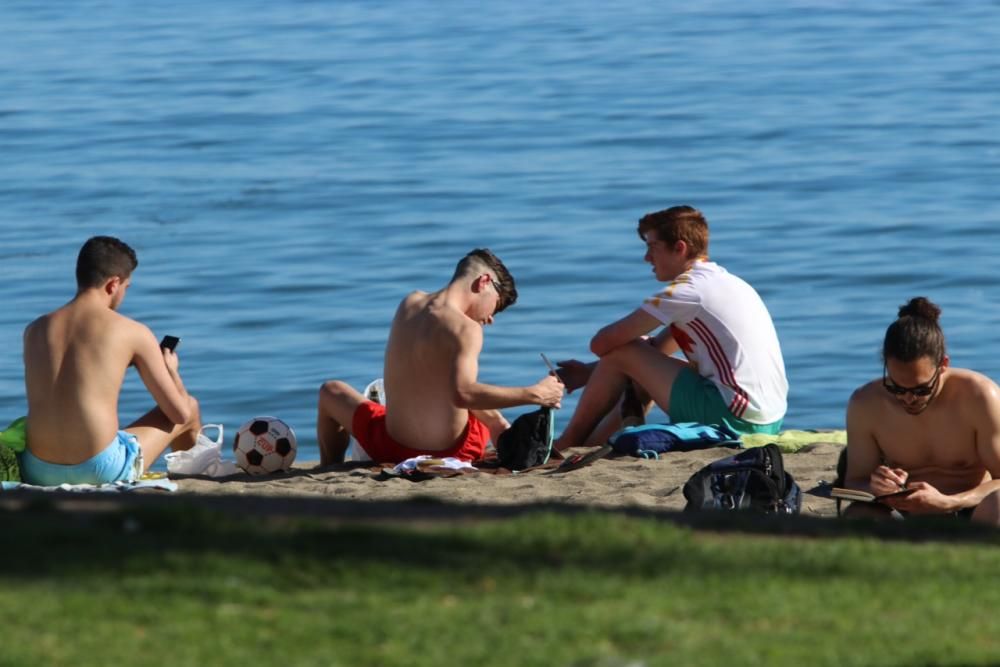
(75, 360)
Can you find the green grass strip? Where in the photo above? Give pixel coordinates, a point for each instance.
(187, 587)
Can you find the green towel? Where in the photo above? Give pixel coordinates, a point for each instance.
(12, 440)
(13, 437)
(793, 441)
(9, 470)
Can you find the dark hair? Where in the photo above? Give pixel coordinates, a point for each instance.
(482, 259)
(916, 333)
(678, 223)
(103, 257)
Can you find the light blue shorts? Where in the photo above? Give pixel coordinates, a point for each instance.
(120, 461)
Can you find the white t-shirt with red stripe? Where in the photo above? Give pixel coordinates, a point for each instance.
(723, 327)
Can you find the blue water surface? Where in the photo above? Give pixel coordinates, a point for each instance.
(287, 171)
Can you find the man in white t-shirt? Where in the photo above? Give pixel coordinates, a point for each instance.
(733, 372)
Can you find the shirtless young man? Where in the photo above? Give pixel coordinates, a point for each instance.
(925, 425)
(75, 360)
(435, 403)
(733, 372)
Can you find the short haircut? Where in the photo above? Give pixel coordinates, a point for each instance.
(481, 260)
(678, 223)
(103, 257)
(915, 334)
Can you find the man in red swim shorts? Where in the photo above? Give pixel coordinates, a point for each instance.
(435, 402)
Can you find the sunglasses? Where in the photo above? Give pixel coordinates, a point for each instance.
(500, 299)
(920, 391)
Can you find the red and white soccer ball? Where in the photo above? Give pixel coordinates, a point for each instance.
(264, 445)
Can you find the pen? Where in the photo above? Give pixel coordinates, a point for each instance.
(549, 364)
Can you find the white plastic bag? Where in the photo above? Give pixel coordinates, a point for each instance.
(205, 458)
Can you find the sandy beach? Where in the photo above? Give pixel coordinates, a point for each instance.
(608, 483)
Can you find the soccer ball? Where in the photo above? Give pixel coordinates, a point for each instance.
(264, 445)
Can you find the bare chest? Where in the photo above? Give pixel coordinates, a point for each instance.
(928, 441)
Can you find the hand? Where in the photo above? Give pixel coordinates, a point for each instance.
(887, 480)
(925, 500)
(549, 392)
(574, 373)
(171, 360)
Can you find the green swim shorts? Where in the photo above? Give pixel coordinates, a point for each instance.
(694, 398)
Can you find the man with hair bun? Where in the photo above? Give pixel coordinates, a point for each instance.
(435, 403)
(732, 373)
(926, 426)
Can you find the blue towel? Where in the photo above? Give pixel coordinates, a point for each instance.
(660, 438)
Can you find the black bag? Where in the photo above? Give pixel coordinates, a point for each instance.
(528, 441)
(754, 479)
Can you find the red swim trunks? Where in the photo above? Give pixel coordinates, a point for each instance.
(368, 428)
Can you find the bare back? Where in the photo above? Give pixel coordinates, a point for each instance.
(425, 342)
(75, 360)
(953, 445)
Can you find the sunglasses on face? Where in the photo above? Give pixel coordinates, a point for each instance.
(496, 288)
(920, 391)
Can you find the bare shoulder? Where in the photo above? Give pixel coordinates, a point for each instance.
(866, 397)
(125, 329)
(465, 333)
(414, 298)
(458, 324)
(38, 324)
(973, 387)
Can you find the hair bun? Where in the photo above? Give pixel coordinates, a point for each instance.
(921, 307)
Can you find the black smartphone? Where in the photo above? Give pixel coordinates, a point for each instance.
(169, 343)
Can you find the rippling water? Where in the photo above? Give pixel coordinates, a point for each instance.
(288, 170)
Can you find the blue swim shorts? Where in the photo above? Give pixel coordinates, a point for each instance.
(694, 398)
(120, 461)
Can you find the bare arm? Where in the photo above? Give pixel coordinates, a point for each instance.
(637, 324)
(864, 457)
(576, 374)
(471, 394)
(987, 447)
(158, 370)
(664, 342)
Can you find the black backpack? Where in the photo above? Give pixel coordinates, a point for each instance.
(754, 479)
(528, 441)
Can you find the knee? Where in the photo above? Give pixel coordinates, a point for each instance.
(332, 389)
(867, 511)
(624, 359)
(194, 410)
(623, 354)
(988, 511)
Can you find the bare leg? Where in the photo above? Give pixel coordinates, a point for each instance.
(155, 432)
(637, 360)
(607, 427)
(988, 511)
(631, 411)
(494, 421)
(337, 403)
(599, 396)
